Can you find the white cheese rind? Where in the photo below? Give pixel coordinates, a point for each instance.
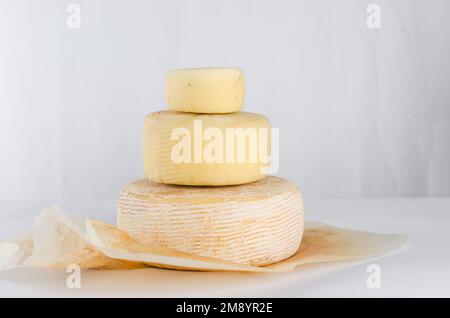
(259, 223)
(157, 147)
(205, 90)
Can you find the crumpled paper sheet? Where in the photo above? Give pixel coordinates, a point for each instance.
(57, 240)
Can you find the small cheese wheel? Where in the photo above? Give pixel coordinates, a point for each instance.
(259, 223)
(205, 90)
(176, 150)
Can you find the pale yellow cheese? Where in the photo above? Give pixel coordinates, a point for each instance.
(180, 148)
(205, 90)
(259, 223)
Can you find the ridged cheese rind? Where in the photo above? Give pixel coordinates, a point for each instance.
(205, 90)
(157, 146)
(259, 223)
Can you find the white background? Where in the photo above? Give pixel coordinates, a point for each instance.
(361, 112)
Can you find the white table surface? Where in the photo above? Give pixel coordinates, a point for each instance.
(420, 269)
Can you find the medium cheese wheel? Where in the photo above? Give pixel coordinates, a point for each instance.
(259, 223)
(205, 90)
(176, 148)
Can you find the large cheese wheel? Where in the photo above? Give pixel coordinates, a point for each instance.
(166, 132)
(205, 90)
(259, 223)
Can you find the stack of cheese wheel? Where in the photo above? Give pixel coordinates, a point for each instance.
(206, 191)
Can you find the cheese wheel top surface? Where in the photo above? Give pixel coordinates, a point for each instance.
(181, 119)
(205, 90)
(159, 192)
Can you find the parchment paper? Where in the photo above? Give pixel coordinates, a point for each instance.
(58, 240)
